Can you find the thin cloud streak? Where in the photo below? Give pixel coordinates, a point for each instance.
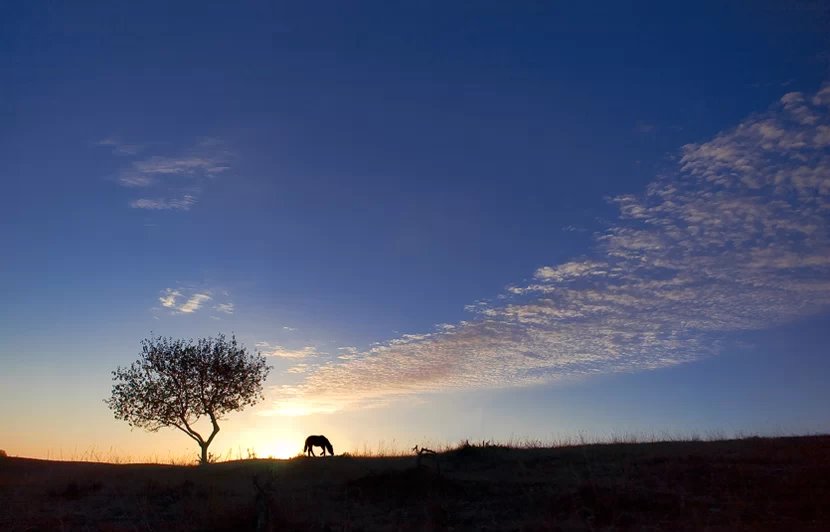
(279, 351)
(120, 148)
(226, 308)
(176, 181)
(157, 165)
(136, 181)
(165, 204)
(736, 239)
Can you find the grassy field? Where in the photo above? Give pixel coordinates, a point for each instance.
(746, 484)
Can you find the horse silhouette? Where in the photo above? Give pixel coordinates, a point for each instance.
(318, 441)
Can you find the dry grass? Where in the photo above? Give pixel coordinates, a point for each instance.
(747, 484)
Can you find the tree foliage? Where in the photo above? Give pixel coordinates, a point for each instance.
(174, 383)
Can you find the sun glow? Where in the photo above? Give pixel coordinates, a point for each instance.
(279, 449)
(293, 410)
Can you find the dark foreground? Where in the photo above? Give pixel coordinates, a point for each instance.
(750, 484)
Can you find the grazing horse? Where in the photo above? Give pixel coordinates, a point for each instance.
(318, 441)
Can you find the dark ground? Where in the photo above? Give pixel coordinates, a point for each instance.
(748, 484)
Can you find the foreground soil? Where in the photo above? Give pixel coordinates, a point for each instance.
(749, 484)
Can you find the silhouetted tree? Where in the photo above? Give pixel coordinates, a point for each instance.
(174, 383)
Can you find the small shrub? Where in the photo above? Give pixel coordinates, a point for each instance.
(3, 454)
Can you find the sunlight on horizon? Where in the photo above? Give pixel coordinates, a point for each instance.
(282, 449)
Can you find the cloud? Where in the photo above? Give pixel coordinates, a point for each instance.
(282, 352)
(165, 204)
(120, 148)
(570, 270)
(644, 127)
(168, 299)
(227, 308)
(194, 303)
(175, 180)
(348, 353)
(136, 181)
(188, 165)
(178, 302)
(735, 239)
(299, 368)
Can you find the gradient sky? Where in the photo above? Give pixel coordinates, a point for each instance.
(440, 220)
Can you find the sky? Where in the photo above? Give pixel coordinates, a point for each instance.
(524, 221)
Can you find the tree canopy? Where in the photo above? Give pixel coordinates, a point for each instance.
(175, 382)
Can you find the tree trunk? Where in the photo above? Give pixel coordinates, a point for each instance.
(204, 459)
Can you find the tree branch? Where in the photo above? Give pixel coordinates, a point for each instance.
(192, 433)
(186, 432)
(215, 427)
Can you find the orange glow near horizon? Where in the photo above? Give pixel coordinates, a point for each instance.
(279, 449)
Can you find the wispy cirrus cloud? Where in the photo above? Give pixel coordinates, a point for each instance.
(173, 182)
(299, 368)
(347, 352)
(165, 204)
(176, 300)
(136, 180)
(225, 308)
(736, 238)
(169, 297)
(119, 147)
(279, 351)
(183, 300)
(182, 166)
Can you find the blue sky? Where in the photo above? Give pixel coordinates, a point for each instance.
(439, 220)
